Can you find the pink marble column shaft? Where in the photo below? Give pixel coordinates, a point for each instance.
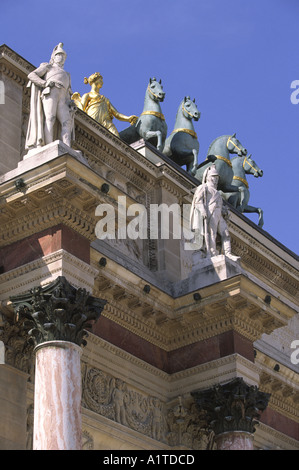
(57, 397)
(234, 440)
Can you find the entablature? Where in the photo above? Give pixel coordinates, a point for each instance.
(281, 382)
(13, 65)
(172, 322)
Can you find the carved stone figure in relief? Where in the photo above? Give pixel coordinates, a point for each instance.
(118, 399)
(208, 215)
(50, 100)
(157, 419)
(98, 106)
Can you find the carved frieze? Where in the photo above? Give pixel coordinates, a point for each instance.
(18, 351)
(113, 398)
(187, 427)
(175, 425)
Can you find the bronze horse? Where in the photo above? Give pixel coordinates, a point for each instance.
(182, 145)
(151, 125)
(219, 152)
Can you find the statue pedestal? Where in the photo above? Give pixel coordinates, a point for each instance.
(207, 271)
(48, 152)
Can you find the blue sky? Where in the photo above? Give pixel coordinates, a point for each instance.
(237, 58)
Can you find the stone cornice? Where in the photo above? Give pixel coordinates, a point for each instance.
(270, 268)
(44, 270)
(267, 438)
(259, 256)
(64, 199)
(60, 190)
(262, 246)
(48, 215)
(282, 383)
(13, 65)
(106, 356)
(105, 151)
(171, 323)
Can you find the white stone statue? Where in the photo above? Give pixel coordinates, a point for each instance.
(50, 100)
(207, 216)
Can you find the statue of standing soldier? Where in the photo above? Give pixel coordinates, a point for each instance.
(50, 100)
(208, 215)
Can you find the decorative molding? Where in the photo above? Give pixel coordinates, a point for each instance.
(269, 266)
(113, 398)
(48, 215)
(170, 325)
(282, 384)
(267, 438)
(15, 60)
(87, 440)
(228, 366)
(99, 153)
(44, 270)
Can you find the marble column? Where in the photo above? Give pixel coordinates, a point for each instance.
(235, 440)
(232, 410)
(57, 396)
(55, 318)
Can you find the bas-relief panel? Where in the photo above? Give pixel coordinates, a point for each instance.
(114, 399)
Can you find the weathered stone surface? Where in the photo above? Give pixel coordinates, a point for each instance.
(10, 124)
(13, 385)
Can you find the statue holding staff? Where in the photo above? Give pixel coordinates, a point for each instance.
(50, 100)
(208, 216)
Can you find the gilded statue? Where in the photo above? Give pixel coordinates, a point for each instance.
(98, 106)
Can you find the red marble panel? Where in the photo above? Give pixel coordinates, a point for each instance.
(233, 342)
(280, 422)
(44, 243)
(179, 359)
(133, 344)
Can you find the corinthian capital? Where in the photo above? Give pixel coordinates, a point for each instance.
(234, 406)
(58, 311)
